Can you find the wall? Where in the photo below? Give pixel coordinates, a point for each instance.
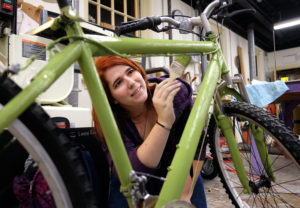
(285, 59)
(230, 42)
(53, 7)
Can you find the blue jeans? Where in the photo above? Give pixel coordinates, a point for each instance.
(198, 198)
(117, 200)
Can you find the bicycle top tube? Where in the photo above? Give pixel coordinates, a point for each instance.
(150, 47)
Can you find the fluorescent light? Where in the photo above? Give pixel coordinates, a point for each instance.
(288, 23)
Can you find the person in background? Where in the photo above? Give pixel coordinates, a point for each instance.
(151, 115)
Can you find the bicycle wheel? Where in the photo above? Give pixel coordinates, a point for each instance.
(283, 149)
(50, 149)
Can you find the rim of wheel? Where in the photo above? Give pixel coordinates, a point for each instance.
(40, 156)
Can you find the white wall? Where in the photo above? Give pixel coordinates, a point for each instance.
(53, 7)
(230, 42)
(285, 59)
(154, 8)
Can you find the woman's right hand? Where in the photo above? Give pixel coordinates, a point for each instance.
(163, 97)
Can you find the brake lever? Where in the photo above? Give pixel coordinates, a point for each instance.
(223, 8)
(222, 11)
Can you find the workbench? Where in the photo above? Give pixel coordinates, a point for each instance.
(289, 100)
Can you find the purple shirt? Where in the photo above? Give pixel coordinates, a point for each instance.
(132, 140)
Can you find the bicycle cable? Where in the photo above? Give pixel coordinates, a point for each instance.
(188, 31)
(151, 176)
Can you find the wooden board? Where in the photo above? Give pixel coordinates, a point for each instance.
(241, 60)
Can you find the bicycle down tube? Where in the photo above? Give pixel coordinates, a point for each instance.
(192, 132)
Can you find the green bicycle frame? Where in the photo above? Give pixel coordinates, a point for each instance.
(82, 51)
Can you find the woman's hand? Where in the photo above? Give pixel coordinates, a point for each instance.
(163, 97)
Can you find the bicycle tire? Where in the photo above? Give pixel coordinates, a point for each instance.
(285, 159)
(52, 151)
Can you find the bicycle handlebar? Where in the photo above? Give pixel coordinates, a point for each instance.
(142, 24)
(186, 25)
(153, 22)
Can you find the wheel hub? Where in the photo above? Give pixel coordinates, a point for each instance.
(263, 182)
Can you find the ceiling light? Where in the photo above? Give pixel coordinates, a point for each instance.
(288, 23)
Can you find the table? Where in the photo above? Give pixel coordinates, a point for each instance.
(289, 100)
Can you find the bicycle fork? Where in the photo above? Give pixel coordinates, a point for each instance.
(224, 123)
(262, 150)
(226, 127)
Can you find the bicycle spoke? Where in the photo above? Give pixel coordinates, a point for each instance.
(283, 167)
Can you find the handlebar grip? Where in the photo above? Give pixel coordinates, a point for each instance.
(142, 24)
(63, 3)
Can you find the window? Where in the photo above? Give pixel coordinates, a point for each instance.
(109, 13)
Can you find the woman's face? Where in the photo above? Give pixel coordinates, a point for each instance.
(126, 85)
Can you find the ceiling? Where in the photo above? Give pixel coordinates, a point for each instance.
(267, 13)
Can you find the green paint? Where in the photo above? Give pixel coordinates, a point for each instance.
(226, 127)
(179, 170)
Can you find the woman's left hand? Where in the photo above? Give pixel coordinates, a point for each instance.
(163, 97)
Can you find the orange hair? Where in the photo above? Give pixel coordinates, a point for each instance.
(102, 64)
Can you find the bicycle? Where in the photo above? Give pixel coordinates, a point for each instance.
(31, 126)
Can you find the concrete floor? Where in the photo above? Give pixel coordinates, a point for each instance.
(215, 194)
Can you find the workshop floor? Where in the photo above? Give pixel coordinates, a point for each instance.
(215, 194)
(217, 197)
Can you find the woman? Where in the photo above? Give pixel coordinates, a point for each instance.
(151, 116)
